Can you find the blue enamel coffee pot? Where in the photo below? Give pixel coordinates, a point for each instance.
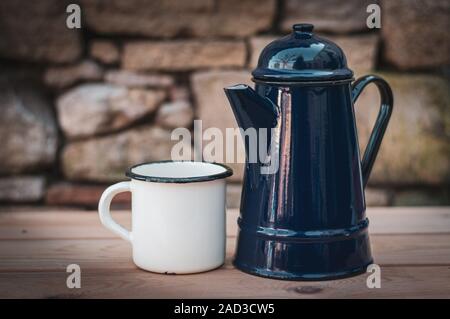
(306, 219)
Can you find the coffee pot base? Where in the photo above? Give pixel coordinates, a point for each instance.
(318, 258)
(284, 275)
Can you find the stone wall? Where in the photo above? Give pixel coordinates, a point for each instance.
(79, 106)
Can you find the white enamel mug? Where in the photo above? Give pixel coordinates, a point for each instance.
(177, 214)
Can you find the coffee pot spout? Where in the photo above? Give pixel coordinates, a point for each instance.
(250, 109)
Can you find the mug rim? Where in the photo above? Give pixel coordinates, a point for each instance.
(158, 179)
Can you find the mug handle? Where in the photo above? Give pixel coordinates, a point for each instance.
(105, 213)
(387, 104)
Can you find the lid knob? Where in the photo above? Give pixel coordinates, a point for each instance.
(303, 27)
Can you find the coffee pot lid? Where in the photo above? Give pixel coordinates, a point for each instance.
(302, 57)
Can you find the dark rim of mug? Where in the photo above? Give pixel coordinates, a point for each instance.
(156, 179)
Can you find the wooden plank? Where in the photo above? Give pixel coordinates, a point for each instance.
(411, 245)
(396, 282)
(57, 224)
(409, 220)
(69, 224)
(82, 224)
(35, 255)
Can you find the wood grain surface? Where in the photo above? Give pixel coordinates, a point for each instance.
(412, 246)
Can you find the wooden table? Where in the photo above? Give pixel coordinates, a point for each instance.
(412, 246)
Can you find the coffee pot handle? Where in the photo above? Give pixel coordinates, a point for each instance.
(105, 213)
(387, 104)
